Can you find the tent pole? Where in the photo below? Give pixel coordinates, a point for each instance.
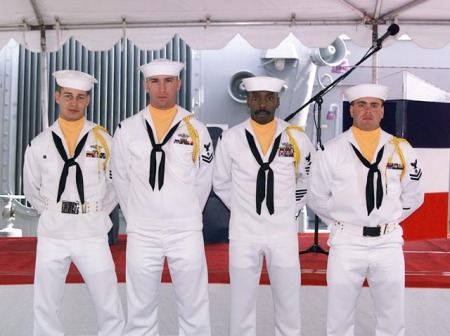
(44, 81)
(43, 64)
(375, 56)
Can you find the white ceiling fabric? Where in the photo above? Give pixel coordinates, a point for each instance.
(99, 24)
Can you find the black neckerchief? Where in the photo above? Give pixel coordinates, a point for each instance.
(157, 147)
(373, 169)
(69, 163)
(261, 178)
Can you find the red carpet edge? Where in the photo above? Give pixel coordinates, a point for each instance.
(427, 262)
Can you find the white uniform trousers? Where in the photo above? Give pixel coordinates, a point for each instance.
(381, 261)
(93, 258)
(283, 266)
(186, 259)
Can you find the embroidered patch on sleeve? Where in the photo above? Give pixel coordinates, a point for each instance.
(299, 194)
(208, 156)
(417, 174)
(308, 163)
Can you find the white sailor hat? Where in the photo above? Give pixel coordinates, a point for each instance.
(74, 79)
(263, 83)
(161, 66)
(366, 90)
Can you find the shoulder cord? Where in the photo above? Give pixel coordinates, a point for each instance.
(396, 142)
(101, 139)
(193, 133)
(297, 153)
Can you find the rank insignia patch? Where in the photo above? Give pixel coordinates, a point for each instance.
(417, 174)
(308, 163)
(208, 156)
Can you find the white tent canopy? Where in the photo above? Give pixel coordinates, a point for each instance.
(45, 25)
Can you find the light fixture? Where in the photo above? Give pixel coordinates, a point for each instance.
(280, 56)
(280, 63)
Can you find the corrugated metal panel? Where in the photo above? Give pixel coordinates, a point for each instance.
(29, 119)
(118, 95)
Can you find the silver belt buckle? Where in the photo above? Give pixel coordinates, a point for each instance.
(70, 207)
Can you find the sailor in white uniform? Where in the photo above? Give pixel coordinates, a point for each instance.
(67, 180)
(162, 167)
(363, 184)
(260, 173)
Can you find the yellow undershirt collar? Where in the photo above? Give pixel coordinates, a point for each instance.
(162, 119)
(367, 141)
(264, 133)
(71, 131)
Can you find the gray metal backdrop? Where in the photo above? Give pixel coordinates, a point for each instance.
(118, 95)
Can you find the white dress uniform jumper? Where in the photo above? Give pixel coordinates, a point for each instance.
(264, 193)
(162, 191)
(74, 197)
(363, 203)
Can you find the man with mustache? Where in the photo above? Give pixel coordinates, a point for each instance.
(260, 174)
(362, 185)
